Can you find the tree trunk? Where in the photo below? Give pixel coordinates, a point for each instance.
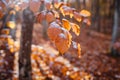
(84, 4)
(25, 46)
(115, 26)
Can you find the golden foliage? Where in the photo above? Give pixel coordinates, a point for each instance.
(85, 13)
(75, 28)
(66, 24)
(11, 24)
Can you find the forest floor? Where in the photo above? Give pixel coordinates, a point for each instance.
(95, 62)
(95, 59)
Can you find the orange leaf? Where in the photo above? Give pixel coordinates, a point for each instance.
(56, 14)
(64, 39)
(77, 47)
(66, 24)
(53, 31)
(85, 13)
(41, 16)
(75, 28)
(50, 17)
(48, 5)
(77, 16)
(87, 21)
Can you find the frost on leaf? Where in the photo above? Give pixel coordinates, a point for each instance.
(75, 28)
(56, 14)
(87, 21)
(41, 16)
(66, 24)
(85, 13)
(50, 17)
(63, 42)
(76, 47)
(48, 5)
(57, 4)
(65, 10)
(53, 31)
(77, 16)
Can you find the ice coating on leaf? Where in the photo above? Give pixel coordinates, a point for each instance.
(50, 17)
(77, 16)
(85, 13)
(74, 44)
(53, 31)
(61, 35)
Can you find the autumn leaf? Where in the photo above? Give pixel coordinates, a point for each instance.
(77, 16)
(66, 24)
(11, 24)
(64, 39)
(58, 4)
(85, 13)
(87, 21)
(50, 17)
(75, 28)
(56, 14)
(53, 31)
(1, 13)
(41, 16)
(5, 31)
(48, 5)
(77, 48)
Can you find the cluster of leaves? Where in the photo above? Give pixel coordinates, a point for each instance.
(51, 66)
(59, 30)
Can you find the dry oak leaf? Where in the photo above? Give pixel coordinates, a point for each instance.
(63, 41)
(53, 31)
(85, 13)
(66, 24)
(75, 28)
